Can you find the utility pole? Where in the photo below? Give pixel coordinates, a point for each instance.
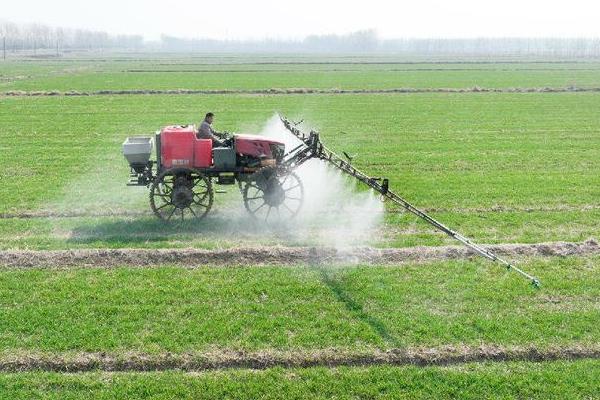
(4, 48)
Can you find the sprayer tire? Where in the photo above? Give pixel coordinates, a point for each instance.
(192, 204)
(286, 203)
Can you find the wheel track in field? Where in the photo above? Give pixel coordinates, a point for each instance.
(130, 213)
(73, 214)
(224, 359)
(291, 91)
(277, 255)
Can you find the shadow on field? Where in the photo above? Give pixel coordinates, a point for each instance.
(217, 227)
(355, 308)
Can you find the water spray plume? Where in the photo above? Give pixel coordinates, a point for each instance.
(335, 213)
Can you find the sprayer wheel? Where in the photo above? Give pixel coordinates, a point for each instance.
(181, 194)
(273, 195)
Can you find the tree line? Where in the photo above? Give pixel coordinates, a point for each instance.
(368, 42)
(34, 37)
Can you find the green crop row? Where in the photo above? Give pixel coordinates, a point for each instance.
(556, 380)
(251, 73)
(178, 310)
(240, 80)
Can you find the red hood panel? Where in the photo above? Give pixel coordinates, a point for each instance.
(256, 138)
(255, 145)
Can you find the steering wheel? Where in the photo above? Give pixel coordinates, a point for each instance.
(228, 141)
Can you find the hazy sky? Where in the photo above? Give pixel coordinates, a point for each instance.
(238, 19)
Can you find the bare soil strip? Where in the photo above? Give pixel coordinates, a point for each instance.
(131, 213)
(71, 214)
(275, 255)
(449, 355)
(288, 91)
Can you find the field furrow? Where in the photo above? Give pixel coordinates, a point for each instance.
(295, 91)
(279, 255)
(224, 359)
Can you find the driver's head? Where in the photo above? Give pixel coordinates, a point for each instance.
(209, 117)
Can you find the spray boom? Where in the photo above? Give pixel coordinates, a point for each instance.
(311, 147)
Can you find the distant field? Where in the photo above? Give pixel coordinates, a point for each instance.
(314, 73)
(342, 79)
(499, 167)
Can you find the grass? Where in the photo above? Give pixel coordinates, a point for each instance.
(511, 149)
(454, 151)
(535, 155)
(227, 228)
(255, 308)
(556, 380)
(318, 79)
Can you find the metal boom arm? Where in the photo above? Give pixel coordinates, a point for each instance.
(314, 149)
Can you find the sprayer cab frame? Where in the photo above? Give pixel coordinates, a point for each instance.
(178, 146)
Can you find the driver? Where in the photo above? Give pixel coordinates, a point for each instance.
(205, 131)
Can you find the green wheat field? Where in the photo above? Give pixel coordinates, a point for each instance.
(502, 167)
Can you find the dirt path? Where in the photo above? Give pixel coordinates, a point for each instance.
(80, 362)
(276, 255)
(288, 91)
